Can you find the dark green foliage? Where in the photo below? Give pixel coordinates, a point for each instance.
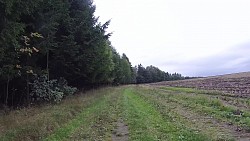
(74, 45)
(141, 74)
(123, 71)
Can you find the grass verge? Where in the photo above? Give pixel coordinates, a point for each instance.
(56, 122)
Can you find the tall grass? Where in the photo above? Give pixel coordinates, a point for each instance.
(37, 123)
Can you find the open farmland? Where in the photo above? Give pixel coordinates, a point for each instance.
(234, 84)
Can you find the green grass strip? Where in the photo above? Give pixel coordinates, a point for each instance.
(102, 123)
(147, 124)
(169, 108)
(69, 128)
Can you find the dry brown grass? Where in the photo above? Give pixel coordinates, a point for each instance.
(36, 123)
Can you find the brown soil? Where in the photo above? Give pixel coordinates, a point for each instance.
(121, 132)
(236, 84)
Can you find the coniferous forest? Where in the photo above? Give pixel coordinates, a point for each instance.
(51, 48)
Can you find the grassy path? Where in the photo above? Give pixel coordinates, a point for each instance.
(146, 123)
(100, 125)
(185, 116)
(149, 114)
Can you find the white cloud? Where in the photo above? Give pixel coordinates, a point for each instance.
(235, 59)
(192, 32)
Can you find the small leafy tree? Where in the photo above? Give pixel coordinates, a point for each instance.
(26, 52)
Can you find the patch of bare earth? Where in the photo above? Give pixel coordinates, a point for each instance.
(238, 106)
(203, 123)
(236, 84)
(121, 132)
(208, 122)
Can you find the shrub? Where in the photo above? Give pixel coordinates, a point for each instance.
(50, 90)
(63, 86)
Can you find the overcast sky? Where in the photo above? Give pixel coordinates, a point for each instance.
(192, 37)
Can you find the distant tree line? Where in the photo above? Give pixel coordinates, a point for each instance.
(152, 74)
(48, 48)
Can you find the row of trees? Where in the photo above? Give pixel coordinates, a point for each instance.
(152, 74)
(47, 46)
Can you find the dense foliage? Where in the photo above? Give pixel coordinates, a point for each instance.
(43, 41)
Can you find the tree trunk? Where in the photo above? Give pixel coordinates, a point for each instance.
(27, 90)
(12, 99)
(7, 91)
(48, 70)
(48, 64)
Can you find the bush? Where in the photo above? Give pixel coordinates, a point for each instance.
(50, 90)
(63, 86)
